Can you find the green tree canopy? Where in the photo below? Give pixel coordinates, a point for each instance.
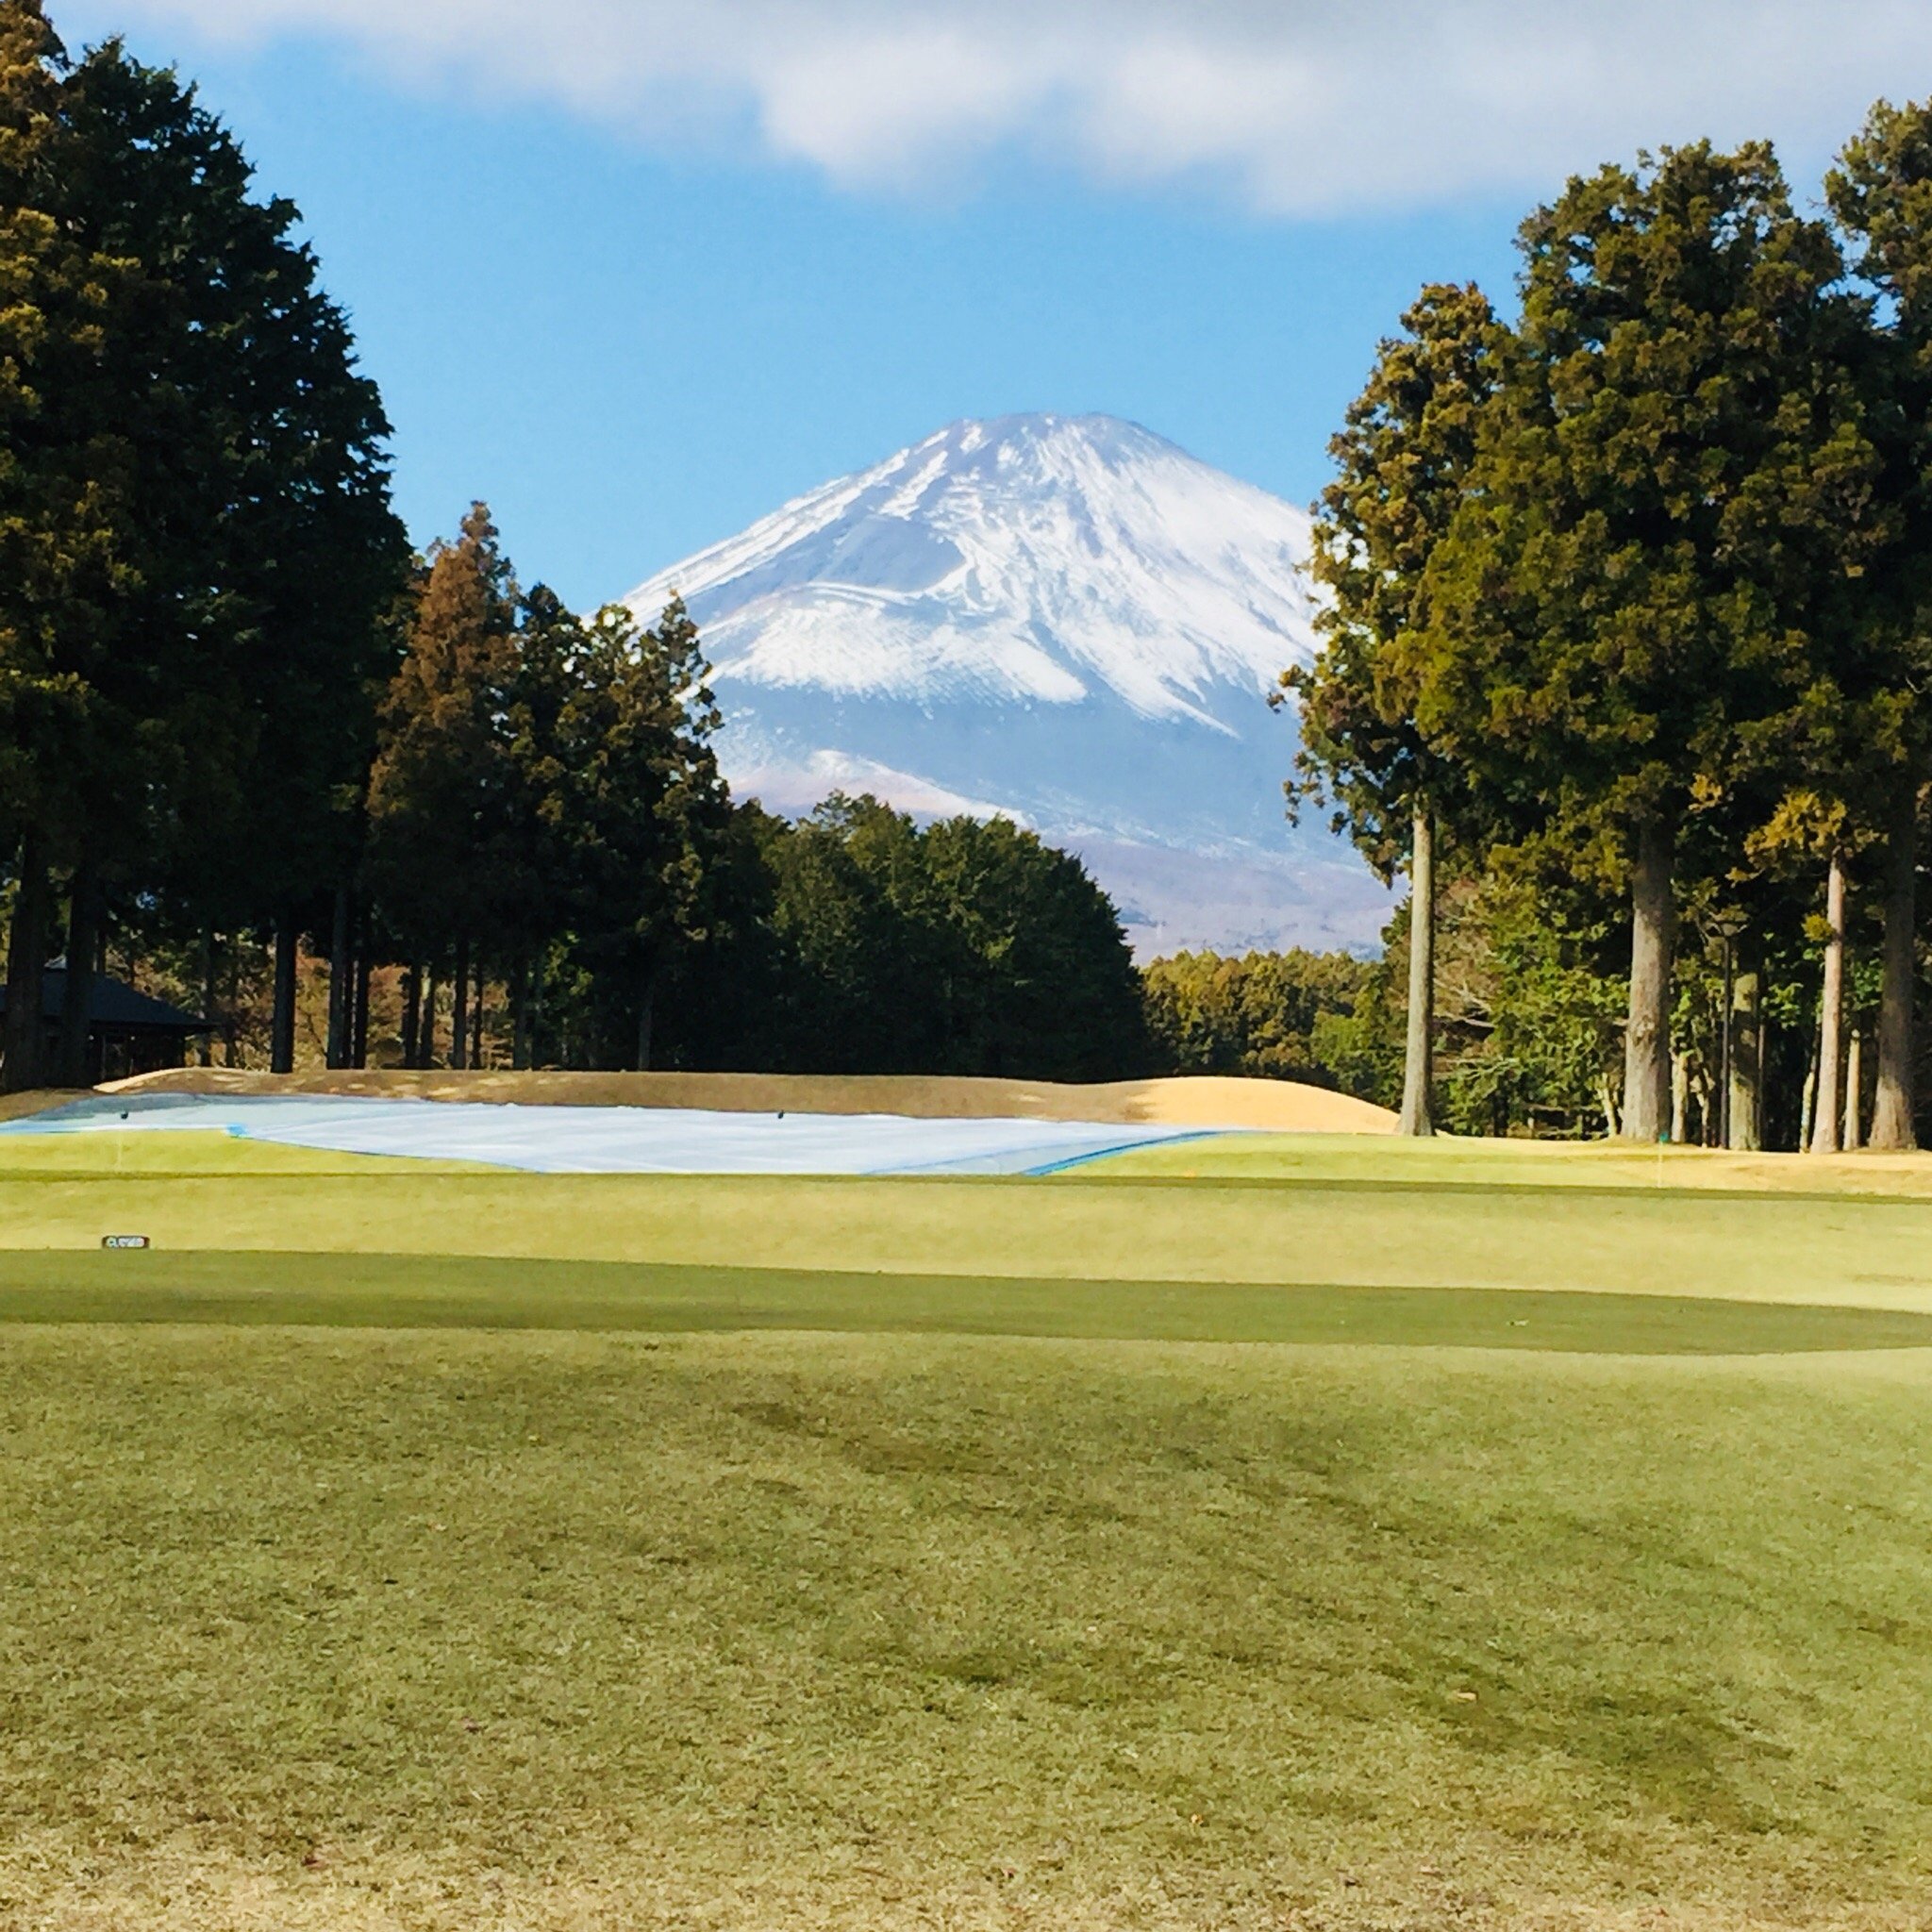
(1881, 194)
(1629, 586)
(198, 514)
(1253, 1013)
(639, 805)
(1402, 459)
(438, 789)
(1403, 463)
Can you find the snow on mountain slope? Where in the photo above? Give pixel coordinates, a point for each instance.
(1066, 619)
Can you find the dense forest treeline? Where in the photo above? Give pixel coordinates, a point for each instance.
(244, 728)
(854, 941)
(1627, 654)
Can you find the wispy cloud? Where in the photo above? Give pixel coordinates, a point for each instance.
(1297, 106)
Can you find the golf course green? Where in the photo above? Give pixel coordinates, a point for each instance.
(1261, 1533)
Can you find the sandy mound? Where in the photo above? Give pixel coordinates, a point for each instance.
(1198, 1101)
(15, 1107)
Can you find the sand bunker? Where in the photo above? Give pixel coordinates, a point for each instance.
(1205, 1101)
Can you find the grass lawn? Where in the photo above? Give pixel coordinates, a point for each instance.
(1361, 1215)
(1383, 1161)
(411, 1549)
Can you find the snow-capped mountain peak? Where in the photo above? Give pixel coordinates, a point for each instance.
(1032, 558)
(1064, 618)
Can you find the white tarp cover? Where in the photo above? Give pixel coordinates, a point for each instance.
(615, 1140)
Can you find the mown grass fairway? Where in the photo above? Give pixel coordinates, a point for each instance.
(475, 1291)
(680, 1570)
(1343, 1213)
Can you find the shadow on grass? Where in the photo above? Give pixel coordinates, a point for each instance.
(465, 1292)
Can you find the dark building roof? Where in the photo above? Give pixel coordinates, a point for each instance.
(114, 1006)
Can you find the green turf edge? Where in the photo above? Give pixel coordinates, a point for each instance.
(309, 1289)
(1097, 1173)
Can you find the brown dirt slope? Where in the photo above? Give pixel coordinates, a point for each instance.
(1198, 1101)
(14, 1107)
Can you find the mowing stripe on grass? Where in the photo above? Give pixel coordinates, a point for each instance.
(447, 1291)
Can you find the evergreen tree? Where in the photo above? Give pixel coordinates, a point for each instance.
(28, 52)
(966, 947)
(1403, 463)
(57, 545)
(639, 803)
(529, 846)
(1616, 600)
(213, 532)
(440, 788)
(874, 974)
(1881, 193)
(1049, 992)
(1257, 1014)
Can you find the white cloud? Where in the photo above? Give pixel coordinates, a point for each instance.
(1298, 106)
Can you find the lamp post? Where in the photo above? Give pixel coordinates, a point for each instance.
(1725, 927)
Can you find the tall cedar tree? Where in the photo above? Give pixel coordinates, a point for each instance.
(438, 792)
(1404, 461)
(1816, 780)
(279, 559)
(50, 541)
(1881, 193)
(530, 847)
(207, 424)
(1611, 606)
(638, 803)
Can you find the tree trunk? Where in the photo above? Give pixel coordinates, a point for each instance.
(1747, 1061)
(647, 1004)
(281, 1052)
(1809, 1100)
(476, 1017)
(342, 978)
(1418, 1061)
(231, 1011)
(340, 971)
(1854, 1087)
(1680, 1099)
(83, 948)
(413, 1016)
(359, 1028)
(1647, 1037)
(26, 961)
(519, 992)
(1607, 1099)
(425, 1051)
(460, 1008)
(208, 993)
(1825, 1111)
(1893, 1104)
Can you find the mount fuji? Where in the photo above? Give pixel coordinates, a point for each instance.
(1064, 619)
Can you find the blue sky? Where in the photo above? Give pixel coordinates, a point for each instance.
(637, 304)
